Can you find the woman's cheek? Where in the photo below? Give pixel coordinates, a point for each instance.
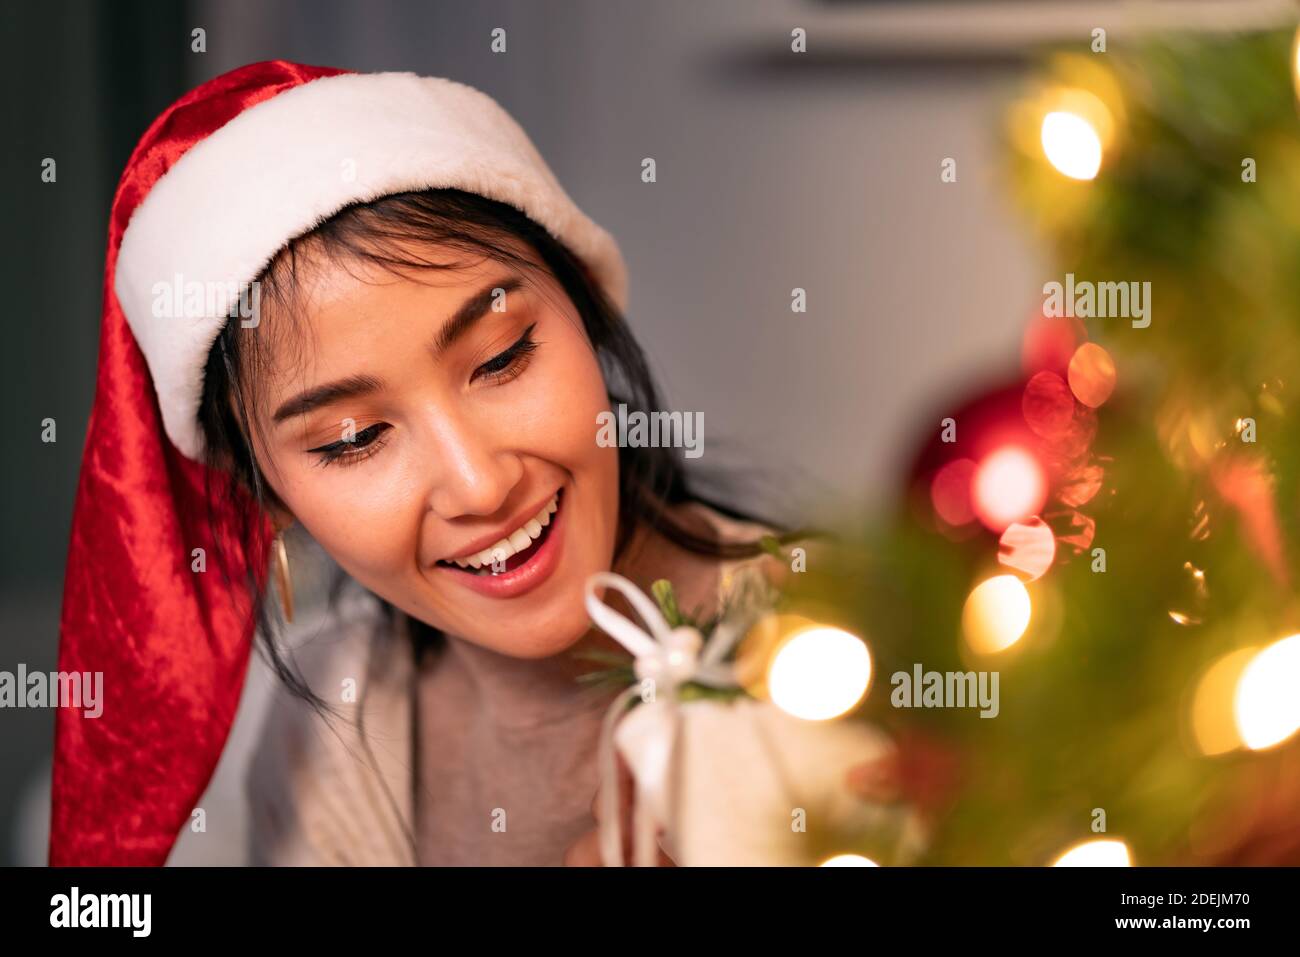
(358, 518)
(567, 409)
(563, 405)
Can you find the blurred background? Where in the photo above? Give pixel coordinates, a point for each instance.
(776, 171)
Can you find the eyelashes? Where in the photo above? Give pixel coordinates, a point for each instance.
(503, 367)
(508, 364)
(365, 444)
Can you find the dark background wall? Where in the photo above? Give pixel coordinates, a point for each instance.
(81, 82)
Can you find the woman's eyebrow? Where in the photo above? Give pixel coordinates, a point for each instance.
(349, 388)
(471, 311)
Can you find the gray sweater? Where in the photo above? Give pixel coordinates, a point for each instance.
(468, 757)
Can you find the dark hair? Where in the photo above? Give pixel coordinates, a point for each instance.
(390, 232)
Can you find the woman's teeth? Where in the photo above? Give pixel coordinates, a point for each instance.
(516, 541)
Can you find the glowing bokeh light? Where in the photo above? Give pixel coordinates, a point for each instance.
(1029, 548)
(1081, 485)
(1009, 486)
(1092, 374)
(1266, 704)
(849, 860)
(1295, 63)
(950, 492)
(1096, 853)
(1071, 144)
(1080, 532)
(755, 651)
(1214, 725)
(819, 673)
(996, 614)
(1047, 405)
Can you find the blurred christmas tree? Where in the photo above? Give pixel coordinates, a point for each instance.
(1133, 493)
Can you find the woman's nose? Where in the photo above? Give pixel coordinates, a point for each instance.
(471, 473)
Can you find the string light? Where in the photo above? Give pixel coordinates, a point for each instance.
(1213, 723)
(1295, 63)
(819, 673)
(849, 860)
(1071, 144)
(1092, 374)
(1029, 548)
(1096, 853)
(950, 492)
(1009, 486)
(996, 614)
(1266, 705)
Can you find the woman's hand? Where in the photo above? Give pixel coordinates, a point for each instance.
(585, 851)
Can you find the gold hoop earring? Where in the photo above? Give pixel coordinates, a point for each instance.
(283, 583)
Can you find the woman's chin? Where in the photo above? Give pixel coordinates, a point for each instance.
(529, 642)
(535, 633)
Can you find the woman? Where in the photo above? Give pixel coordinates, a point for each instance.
(360, 304)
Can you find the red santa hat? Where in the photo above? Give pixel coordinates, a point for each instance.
(220, 182)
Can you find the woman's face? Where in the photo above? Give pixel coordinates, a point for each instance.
(419, 425)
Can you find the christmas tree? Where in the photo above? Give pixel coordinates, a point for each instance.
(1108, 542)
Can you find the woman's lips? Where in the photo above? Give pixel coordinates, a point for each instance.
(539, 562)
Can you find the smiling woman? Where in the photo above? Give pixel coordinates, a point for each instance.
(437, 362)
(438, 335)
(478, 501)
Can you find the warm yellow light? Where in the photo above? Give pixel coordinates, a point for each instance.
(1091, 374)
(1295, 62)
(819, 673)
(1071, 144)
(996, 614)
(1267, 702)
(1214, 724)
(849, 860)
(755, 651)
(1096, 853)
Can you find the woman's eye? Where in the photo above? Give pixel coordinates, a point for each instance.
(350, 451)
(509, 363)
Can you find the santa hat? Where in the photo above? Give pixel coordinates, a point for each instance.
(221, 182)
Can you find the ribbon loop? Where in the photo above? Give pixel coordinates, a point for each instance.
(669, 658)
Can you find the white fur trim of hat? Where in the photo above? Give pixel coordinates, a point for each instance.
(288, 163)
